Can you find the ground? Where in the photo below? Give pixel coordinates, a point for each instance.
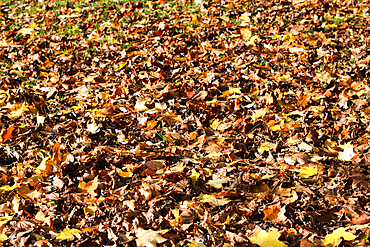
(174, 123)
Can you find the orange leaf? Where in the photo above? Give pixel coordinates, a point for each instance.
(7, 135)
(274, 213)
(90, 186)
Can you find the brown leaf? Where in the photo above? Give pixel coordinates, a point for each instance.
(362, 219)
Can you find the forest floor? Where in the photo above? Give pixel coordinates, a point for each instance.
(169, 123)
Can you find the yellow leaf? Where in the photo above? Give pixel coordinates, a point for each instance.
(151, 124)
(258, 114)
(176, 214)
(119, 66)
(140, 105)
(284, 78)
(231, 92)
(5, 219)
(306, 172)
(7, 188)
(245, 17)
(275, 128)
(251, 41)
(214, 124)
(3, 237)
(266, 146)
(339, 233)
(267, 239)
(194, 176)
(124, 174)
(194, 19)
(68, 233)
(195, 244)
(148, 238)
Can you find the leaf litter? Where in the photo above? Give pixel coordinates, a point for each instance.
(179, 123)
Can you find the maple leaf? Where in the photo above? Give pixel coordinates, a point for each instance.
(148, 238)
(274, 213)
(337, 234)
(267, 239)
(67, 233)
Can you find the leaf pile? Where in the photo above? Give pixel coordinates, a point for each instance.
(172, 123)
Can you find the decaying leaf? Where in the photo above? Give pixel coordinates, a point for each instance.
(347, 153)
(148, 238)
(217, 183)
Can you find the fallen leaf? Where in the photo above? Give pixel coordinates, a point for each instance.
(6, 135)
(194, 176)
(195, 244)
(90, 186)
(266, 146)
(267, 239)
(306, 172)
(148, 238)
(218, 183)
(337, 234)
(274, 213)
(5, 219)
(347, 153)
(67, 233)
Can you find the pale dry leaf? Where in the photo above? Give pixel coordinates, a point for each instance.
(148, 238)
